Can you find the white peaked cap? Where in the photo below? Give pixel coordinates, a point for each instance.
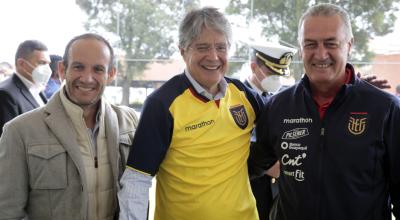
(274, 50)
(275, 56)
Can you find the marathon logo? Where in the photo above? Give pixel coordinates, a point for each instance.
(297, 120)
(199, 125)
(295, 134)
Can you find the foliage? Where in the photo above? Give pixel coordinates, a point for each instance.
(141, 29)
(279, 18)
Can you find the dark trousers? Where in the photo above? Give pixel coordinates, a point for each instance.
(261, 188)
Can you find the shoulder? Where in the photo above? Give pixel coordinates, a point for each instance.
(125, 113)
(374, 94)
(8, 85)
(27, 120)
(169, 91)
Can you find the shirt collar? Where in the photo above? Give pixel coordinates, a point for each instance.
(33, 89)
(222, 85)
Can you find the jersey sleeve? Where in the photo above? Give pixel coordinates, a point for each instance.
(152, 137)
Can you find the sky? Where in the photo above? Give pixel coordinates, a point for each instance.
(55, 22)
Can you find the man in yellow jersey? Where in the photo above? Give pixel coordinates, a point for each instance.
(194, 134)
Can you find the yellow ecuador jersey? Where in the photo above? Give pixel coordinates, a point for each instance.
(198, 150)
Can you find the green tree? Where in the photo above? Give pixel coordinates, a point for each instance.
(140, 29)
(279, 18)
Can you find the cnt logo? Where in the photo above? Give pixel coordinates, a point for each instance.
(295, 134)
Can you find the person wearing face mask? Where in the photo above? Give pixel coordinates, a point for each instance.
(269, 64)
(23, 91)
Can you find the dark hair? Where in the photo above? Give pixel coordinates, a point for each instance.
(26, 48)
(88, 36)
(53, 64)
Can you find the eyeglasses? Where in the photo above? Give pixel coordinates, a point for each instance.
(206, 48)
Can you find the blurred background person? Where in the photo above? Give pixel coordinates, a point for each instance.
(54, 82)
(269, 63)
(23, 91)
(6, 70)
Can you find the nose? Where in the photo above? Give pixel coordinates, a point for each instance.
(87, 76)
(212, 53)
(321, 52)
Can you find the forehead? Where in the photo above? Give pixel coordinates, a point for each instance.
(323, 27)
(89, 50)
(210, 36)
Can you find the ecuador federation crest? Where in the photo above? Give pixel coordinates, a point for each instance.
(239, 115)
(357, 122)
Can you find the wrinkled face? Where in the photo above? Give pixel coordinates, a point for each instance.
(206, 59)
(325, 48)
(88, 72)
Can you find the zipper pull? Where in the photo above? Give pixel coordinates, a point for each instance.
(96, 164)
(322, 131)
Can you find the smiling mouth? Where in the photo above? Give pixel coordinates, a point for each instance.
(211, 67)
(85, 89)
(322, 66)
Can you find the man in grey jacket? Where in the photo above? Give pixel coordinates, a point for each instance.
(64, 160)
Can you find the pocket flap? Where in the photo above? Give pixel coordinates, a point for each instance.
(124, 139)
(45, 151)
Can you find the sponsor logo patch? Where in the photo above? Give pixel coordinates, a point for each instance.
(295, 134)
(239, 115)
(297, 120)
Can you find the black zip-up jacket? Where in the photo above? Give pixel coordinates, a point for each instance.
(345, 166)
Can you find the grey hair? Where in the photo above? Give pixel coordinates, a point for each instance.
(195, 20)
(328, 10)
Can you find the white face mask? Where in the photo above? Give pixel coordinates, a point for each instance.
(40, 74)
(271, 83)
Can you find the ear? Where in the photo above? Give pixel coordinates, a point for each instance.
(182, 51)
(253, 67)
(111, 74)
(61, 70)
(350, 44)
(19, 62)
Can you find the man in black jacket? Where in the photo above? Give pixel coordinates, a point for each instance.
(22, 91)
(335, 136)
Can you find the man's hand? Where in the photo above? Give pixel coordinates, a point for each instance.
(375, 81)
(274, 171)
